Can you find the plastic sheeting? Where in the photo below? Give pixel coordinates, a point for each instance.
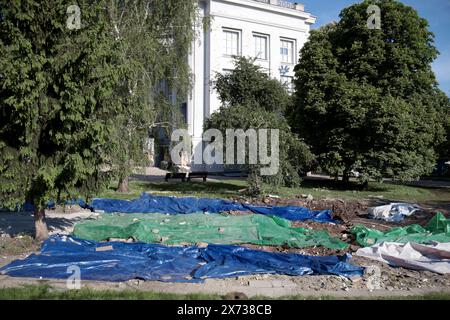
(438, 230)
(28, 207)
(434, 258)
(203, 228)
(158, 204)
(394, 212)
(126, 261)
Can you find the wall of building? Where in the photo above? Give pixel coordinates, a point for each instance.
(246, 17)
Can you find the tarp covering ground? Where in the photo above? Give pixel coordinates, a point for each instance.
(148, 203)
(204, 228)
(434, 258)
(438, 230)
(394, 212)
(126, 261)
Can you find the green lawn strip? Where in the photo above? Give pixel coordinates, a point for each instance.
(45, 292)
(324, 189)
(226, 189)
(320, 189)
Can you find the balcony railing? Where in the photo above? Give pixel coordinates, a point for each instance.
(284, 4)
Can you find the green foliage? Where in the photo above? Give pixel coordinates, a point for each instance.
(153, 40)
(368, 99)
(77, 105)
(249, 85)
(56, 86)
(246, 107)
(444, 148)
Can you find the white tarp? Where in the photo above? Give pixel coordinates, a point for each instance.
(435, 258)
(393, 212)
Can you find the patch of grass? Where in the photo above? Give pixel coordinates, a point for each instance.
(319, 189)
(17, 246)
(391, 191)
(46, 292)
(225, 189)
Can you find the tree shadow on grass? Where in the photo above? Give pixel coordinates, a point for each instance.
(193, 187)
(341, 186)
(15, 224)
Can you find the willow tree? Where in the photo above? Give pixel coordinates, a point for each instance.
(153, 39)
(367, 98)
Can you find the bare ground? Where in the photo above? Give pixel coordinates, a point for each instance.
(15, 243)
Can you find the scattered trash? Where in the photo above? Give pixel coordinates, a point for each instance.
(394, 212)
(162, 263)
(434, 258)
(102, 249)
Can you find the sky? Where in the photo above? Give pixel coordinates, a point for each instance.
(437, 12)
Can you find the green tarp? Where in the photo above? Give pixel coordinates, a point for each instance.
(204, 228)
(438, 229)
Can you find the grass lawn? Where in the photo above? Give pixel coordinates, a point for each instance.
(47, 293)
(18, 245)
(227, 189)
(319, 189)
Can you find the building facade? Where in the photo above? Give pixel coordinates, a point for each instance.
(272, 31)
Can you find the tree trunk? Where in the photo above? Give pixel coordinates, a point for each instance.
(365, 185)
(40, 225)
(346, 177)
(336, 176)
(123, 185)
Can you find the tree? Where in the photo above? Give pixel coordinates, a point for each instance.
(56, 86)
(367, 99)
(444, 148)
(251, 100)
(153, 39)
(247, 84)
(77, 103)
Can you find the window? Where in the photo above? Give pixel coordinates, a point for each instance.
(261, 46)
(288, 82)
(184, 112)
(227, 71)
(287, 51)
(232, 42)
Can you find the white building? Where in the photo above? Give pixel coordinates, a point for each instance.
(274, 31)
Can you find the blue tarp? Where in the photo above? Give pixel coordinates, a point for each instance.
(171, 205)
(52, 204)
(153, 262)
